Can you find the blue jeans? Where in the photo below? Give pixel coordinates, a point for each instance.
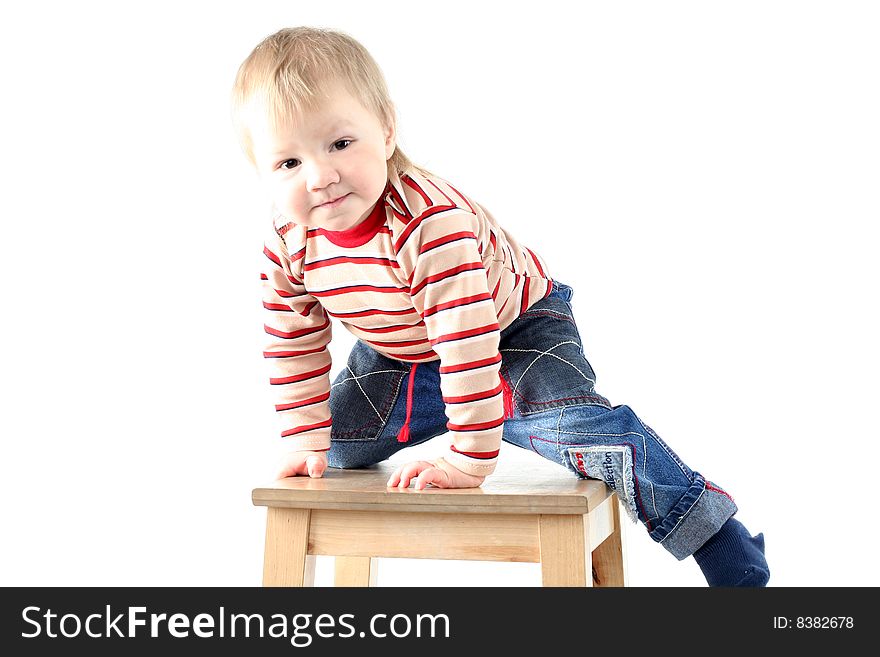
(557, 414)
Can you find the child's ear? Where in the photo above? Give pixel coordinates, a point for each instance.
(390, 137)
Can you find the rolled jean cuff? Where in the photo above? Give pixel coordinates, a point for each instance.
(697, 516)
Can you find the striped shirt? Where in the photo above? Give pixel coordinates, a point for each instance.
(428, 275)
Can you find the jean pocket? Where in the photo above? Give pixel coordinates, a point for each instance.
(363, 394)
(543, 359)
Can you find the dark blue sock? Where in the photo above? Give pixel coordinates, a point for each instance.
(733, 557)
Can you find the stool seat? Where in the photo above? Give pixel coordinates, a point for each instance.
(571, 526)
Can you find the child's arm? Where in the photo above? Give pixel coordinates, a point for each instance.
(297, 357)
(440, 252)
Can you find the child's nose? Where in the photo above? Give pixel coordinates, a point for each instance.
(322, 174)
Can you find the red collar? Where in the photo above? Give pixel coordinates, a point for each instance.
(362, 232)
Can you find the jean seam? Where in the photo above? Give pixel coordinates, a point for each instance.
(662, 444)
(549, 352)
(601, 402)
(381, 421)
(550, 313)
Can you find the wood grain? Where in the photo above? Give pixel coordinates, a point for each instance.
(355, 571)
(286, 561)
(364, 489)
(490, 537)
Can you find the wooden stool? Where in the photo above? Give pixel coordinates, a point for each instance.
(570, 526)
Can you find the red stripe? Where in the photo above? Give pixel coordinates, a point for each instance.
(299, 377)
(471, 365)
(295, 334)
(503, 306)
(304, 402)
(480, 426)
(452, 237)
(292, 354)
(299, 254)
(278, 306)
(476, 455)
(411, 225)
(370, 313)
(718, 490)
(357, 288)
(412, 183)
(462, 197)
(415, 223)
(402, 204)
(495, 291)
(457, 303)
(389, 329)
(307, 427)
(402, 343)
(436, 278)
(525, 295)
(403, 218)
(346, 259)
(475, 396)
(460, 335)
(274, 258)
(451, 202)
(421, 356)
(319, 232)
(537, 264)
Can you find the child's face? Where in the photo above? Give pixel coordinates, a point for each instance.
(327, 168)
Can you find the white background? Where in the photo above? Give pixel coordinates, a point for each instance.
(704, 174)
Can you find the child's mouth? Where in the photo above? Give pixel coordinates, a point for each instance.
(334, 203)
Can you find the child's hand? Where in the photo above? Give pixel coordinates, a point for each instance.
(292, 464)
(439, 473)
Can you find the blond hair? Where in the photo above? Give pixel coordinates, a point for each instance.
(285, 74)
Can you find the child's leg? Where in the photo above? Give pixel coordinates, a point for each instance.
(368, 404)
(678, 507)
(559, 415)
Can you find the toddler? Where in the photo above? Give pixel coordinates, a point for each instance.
(449, 309)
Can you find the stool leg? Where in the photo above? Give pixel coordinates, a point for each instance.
(286, 560)
(356, 571)
(565, 556)
(609, 564)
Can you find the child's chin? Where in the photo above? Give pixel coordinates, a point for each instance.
(340, 226)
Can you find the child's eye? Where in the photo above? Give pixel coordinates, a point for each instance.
(342, 144)
(289, 164)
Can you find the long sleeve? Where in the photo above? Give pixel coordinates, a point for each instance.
(441, 251)
(298, 331)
